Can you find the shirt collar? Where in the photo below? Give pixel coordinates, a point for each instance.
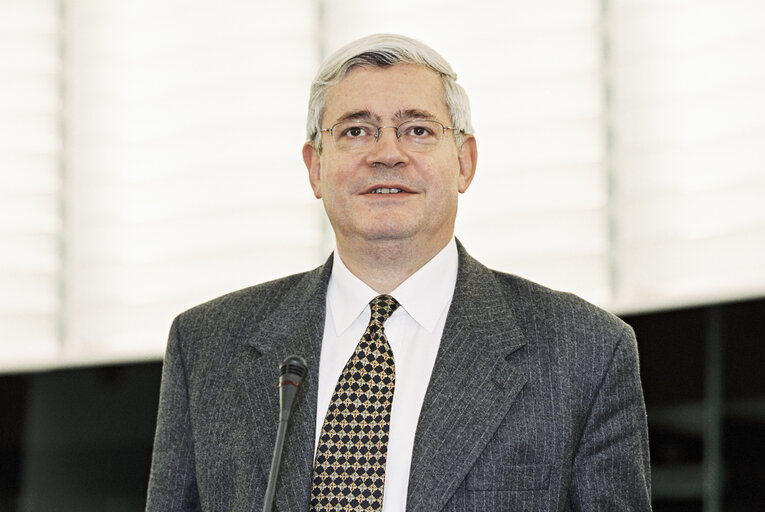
(424, 295)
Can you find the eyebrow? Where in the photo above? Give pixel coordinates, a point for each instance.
(359, 115)
(401, 115)
(413, 113)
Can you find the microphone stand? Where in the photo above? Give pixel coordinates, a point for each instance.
(291, 374)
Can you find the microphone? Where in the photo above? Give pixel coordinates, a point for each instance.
(291, 374)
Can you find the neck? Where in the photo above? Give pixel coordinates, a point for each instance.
(384, 264)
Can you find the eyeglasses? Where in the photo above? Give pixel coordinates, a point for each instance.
(418, 135)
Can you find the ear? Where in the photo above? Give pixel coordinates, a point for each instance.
(312, 159)
(468, 157)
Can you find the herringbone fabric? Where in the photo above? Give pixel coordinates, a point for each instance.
(552, 364)
(349, 471)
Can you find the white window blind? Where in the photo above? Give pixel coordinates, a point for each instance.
(538, 205)
(185, 121)
(688, 111)
(157, 164)
(30, 184)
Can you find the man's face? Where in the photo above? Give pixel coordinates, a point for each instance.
(425, 209)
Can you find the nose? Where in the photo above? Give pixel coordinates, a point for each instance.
(387, 150)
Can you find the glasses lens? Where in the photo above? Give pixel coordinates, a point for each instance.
(421, 135)
(352, 136)
(416, 135)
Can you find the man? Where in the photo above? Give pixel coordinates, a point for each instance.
(468, 390)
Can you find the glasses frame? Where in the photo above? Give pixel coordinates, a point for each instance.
(379, 129)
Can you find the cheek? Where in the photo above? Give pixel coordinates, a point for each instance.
(445, 178)
(336, 180)
(332, 184)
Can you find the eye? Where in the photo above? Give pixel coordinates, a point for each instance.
(354, 131)
(419, 130)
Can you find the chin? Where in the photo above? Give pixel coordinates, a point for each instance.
(381, 236)
(382, 232)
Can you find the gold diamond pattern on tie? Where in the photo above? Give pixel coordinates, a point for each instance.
(349, 472)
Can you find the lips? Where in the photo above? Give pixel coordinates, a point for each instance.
(387, 189)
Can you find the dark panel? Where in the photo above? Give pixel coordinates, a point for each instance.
(12, 405)
(744, 420)
(86, 438)
(671, 346)
(678, 506)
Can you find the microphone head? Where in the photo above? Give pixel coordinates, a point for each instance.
(292, 371)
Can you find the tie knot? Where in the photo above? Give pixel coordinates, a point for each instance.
(382, 307)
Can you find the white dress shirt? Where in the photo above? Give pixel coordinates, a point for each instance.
(414, 333)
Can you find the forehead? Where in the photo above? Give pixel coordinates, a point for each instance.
(384, 92)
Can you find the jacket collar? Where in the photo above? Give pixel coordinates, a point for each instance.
(293, 326)
(462, 409)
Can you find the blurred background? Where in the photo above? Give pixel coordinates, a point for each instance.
(150, 160)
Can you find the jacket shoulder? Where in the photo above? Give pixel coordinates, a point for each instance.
(534, 307)
(228, 313)
(556, 311)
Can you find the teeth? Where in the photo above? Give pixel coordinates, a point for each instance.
(386, 191)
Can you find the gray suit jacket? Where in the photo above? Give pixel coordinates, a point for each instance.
(534, 404)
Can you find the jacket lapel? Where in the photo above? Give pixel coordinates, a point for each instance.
(461, 410)
(295, 326)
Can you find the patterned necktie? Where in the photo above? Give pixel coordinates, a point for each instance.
(349, 472)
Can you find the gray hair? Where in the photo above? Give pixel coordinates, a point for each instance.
(383, 50)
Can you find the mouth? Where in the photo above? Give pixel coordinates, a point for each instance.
(383, 190)
(388, 189)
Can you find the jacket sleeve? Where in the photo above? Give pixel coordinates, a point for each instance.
(172, 483)
(611, 467)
